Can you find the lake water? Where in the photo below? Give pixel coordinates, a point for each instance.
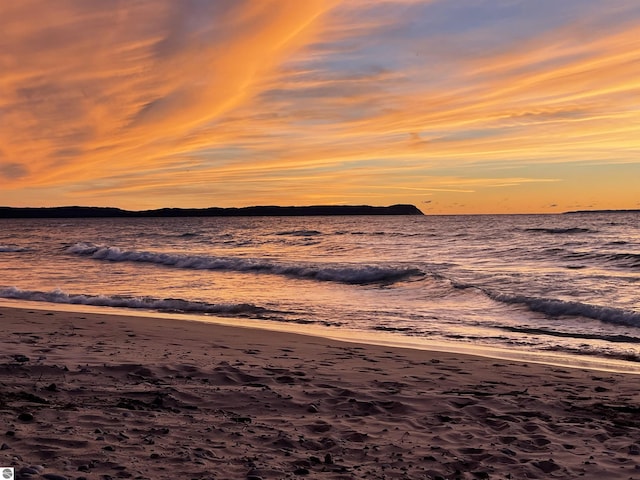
(527, 284)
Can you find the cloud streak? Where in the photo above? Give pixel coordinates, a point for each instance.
(110, 80)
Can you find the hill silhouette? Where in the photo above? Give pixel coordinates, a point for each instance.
(258, 211)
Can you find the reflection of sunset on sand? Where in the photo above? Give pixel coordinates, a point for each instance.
(474, 108)
(109, 396)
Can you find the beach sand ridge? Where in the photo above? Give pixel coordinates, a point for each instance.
(103, 397)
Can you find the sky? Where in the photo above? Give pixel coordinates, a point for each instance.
(455, 106)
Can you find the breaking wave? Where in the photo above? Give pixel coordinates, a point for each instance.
(149, 303)
(557, 308)
(360, 274)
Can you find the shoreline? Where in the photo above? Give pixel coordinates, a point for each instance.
(353, 336)
(77, 212)
(94, 396)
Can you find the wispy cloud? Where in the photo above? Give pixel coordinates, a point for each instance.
(100, 85)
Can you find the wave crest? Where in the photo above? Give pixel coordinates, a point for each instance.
(148, 303)
(557, 308)
(361, 274)
(11, 249)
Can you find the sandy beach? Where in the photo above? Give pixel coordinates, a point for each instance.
(103, 397)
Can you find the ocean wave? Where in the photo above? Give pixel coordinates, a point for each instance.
(149, 303)
(570, 230)
(11, 249)
(385, 328)
(625, 259)
(586, 336)
(300, 233)
(361, 274)
(557, 308)
(617, 259)
(627, 356)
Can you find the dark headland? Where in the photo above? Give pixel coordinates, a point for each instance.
(261, 211)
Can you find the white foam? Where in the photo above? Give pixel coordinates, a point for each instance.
(359, 274)
(168, 304)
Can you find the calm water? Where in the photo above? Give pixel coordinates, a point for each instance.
(561, 283)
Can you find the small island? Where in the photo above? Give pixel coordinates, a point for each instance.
(258, 211)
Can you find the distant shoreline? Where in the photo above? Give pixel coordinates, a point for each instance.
(258, 211)
(605, 211)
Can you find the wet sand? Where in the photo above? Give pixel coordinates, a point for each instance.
(103, 397)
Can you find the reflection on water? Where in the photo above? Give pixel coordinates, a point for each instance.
(563, 283)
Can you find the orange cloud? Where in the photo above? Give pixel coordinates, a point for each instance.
(100, 87)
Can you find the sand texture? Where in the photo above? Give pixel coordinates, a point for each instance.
(106, 397)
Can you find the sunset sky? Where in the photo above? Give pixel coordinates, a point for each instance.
(456, 106)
